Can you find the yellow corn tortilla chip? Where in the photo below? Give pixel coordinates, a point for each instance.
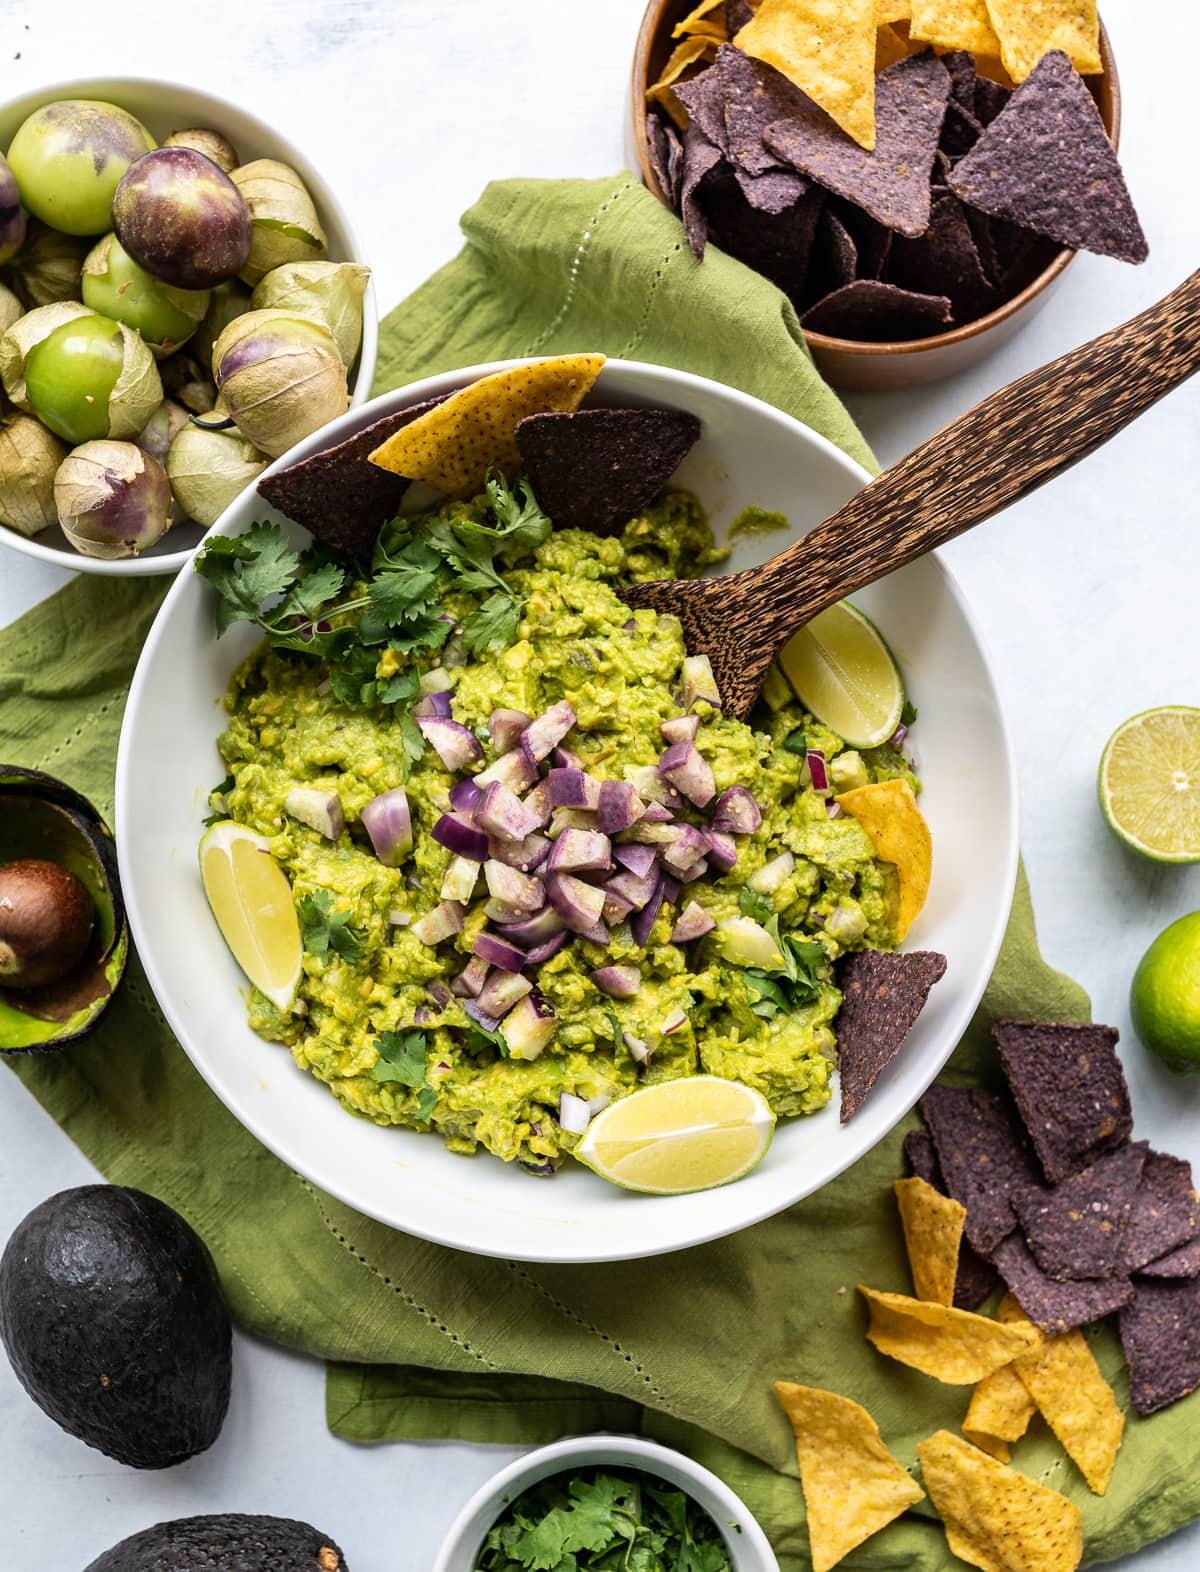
(933, 1226)
(889, 814)
(1028, 29)
(692, 51)
(890, 46)
(458, 442)
(699, 22)
(999, 1411)
(955, 1346)
(888, 11)
(853, 1486)
(955, 24)
(995, 1518)
(1064, 1380)
(827, 48)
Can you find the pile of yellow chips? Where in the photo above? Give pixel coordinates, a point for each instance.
(995, 1518)
(832, 49)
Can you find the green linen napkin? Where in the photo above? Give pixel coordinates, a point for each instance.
(424, 1342)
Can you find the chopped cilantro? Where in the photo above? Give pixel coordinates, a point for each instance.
(597, 1521)
(908, 714)
(796, 742)
(426, 1103)
(617, 1038)
(796, 983)
(322, 929)
(752, 904)
(402, 1057)
(480, 1038)
(221, 791)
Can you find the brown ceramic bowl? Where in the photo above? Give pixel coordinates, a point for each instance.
(856, 363)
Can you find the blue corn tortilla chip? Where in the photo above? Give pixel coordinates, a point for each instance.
(1181, 1262)
(976, 1278)
(891, 183)
(960, 130)
(1055, 1306)
(703, 96)
(776, 245)
(872, 240)
(1045, 162)
(755, 96)
(1166, 1211)
(700, 158)
(338, 495)
(990, 99)
(961, 65)
(595, 469)
(874, 309)
(1070, 1089)
(1076, 1229)
(944, 261)
(834, 260)
(666, 155)
(984, 1156)
(882, 995)
(1160, 1333)
(774, 191)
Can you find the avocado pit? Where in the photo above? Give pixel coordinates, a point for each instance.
(46, 922)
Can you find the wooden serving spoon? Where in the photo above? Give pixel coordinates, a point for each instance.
(1009, 444)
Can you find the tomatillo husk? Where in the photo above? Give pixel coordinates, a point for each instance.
(280, 377)
(29, 460)
(283, 216)
(331, 292)
(48, 266)
(21, 337)
(209, 469)
(113, 499)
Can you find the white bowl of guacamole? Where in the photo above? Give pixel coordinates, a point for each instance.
(278, 728)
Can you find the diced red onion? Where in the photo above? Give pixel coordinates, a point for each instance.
(461, 838)
(629, 625)
(578, 904)
(699, 682)
(546, 731)
(767, 879)
(680, 728)
(573, 1113)
(501, 992)
(532, 931)
(471, 979)
(637, 1047)
(538, 802)
(670, 888)
(488, 1022)
(422, 1015)
(618, 982)
(387, 819)
(527, 854)
(571, 788)
(399, 919)
(510, 769)
(570, 819)
(687, 847)
(439, 993)
(632, 888)
(521, 891)
(543, 952)
(646, 834)
(436, 680)
(818, 772)
(320, 810)
(505, 728)
(436, 703)
(501, 912)
(644, 921)
(833, 809)
(897, 738)
(618, 807)
(689, 771)
(674, 1022)
(440, 923)
(696, 871)
(502, 813)
(598, 1104)
(465, 795)
(495, 951)
(652, 786)
(460, 879)
(657, 813)
(566, 759)
(722, 850)
(693, 923)
(639, 859)
(736, 812)
(616, 907)
(597, 934)
(577, 851)
(451, 741)
(529, 1027)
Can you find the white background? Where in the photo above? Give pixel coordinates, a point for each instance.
(1086, 593)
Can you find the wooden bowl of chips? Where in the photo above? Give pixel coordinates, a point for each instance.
(856, 363)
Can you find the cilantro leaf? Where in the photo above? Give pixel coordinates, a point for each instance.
(796, 742)
(480, 1038)
(247, 571)
(426, 1103)
(400, 688)
(308, 594)
(518, 513)
(617, 1038)
(494, 625)
(752, 904)
(322, 929)
(221, 790)
(402, 1057)
(908, 714)
(352, 676)
(411, 741)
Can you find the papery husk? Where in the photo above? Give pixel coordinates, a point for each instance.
(138, 390)
(90, 477)
(192, 304)
(11, 309)
(29, 460)
(289, 379)
(188, 382)
(331, 292)
(164, 425)
(209, 469)
(25, 333)
(284, 216)
(229, 301)
(48, 266)
(211, 143)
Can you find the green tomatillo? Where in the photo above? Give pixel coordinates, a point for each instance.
(69, 157)
(116, 287)
(92, 378)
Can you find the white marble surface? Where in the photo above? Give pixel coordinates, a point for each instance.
(1085, 592)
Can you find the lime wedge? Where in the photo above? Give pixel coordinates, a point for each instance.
(1150, 783)
(252, 902)
(679, 1136)
(845, 674)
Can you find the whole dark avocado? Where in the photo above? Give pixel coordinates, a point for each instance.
(114, 1320)
(229, 1543)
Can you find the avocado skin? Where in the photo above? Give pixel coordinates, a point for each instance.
(113, 1317)
(232, 1542)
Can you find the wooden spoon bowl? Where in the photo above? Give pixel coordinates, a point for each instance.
(861, 364)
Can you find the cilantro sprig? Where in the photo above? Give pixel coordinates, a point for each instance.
(404, 1058)
(796, 983)
(323, 930)
(601, 1522)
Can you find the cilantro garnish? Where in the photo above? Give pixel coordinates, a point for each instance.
(322, 929)
(479, 1038)
(617, 1038)
(908, 714)
(796, 742)
(796, 983)
(403, 1057)
(752, 904)
(221, 791)
(602, 1522)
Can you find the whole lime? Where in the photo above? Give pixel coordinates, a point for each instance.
(1164, 997)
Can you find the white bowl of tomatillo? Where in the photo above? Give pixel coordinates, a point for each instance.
(454, 980)
(169, 264)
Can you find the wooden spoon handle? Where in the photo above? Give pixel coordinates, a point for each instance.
(1006, 446)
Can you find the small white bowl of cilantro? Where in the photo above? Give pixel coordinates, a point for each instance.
(599, 1501)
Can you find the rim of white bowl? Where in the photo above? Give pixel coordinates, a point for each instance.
(751, 1550)
(105, 87)
(859, 1142)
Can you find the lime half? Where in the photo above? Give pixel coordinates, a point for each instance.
(1150, 783)
(843, 671)
(252, 902)
(679, 1136)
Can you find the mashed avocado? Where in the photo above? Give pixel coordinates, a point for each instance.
(621, 673)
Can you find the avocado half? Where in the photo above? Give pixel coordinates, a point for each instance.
(41, 817)
(233, 1542)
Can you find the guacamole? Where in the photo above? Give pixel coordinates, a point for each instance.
(376, 1017)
